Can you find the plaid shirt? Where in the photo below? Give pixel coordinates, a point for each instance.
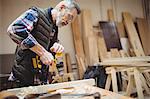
(19, 30)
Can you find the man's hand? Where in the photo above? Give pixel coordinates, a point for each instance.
(47, 58)
(57, 48)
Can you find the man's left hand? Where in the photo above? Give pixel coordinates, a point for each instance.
(57, 48)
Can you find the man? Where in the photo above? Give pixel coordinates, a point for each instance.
(35, 33)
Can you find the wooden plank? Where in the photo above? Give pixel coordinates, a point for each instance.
(87, 23)
(78, 44)
(114, 80)
(74, 87)
(68, 61)
(132, 34)
(102, 50)
(82, 65)
(110, 35)
(130, 85)
(144, 33)
(77, 38)
(125, 44)
(126, 64)
(90, 42)
(121, 29)
(108, 82)
(45, 88)
(123, 37)
(144, 84)
(93, 50)
(138, 84)
(115, 53)
(65, 64)
(110, 15)
(123, 53)
(129, 59)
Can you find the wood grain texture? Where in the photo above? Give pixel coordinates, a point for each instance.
(78, 45)
(132, 34)
(110, 15)
(89, 39)
(144, 33)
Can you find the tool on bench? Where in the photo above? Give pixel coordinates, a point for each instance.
(43, 96)
(95, 95)
(50, 94)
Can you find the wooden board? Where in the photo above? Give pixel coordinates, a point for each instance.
(77, 38)
(45, 88)
(130, 59)
(78, 44)
(65, 64)
(123, 37)
(115, 53)
(68, 61)
(121, 29)
(110, 35)
(110, 14)
(102, 48)
(132, 34)
(92, 50)
(144, 33)
(89, 39)
(87, 23)
(85, 86)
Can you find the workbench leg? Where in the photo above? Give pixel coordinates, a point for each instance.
(147, 77)
(108, 82)
(130, 85)
(144, 84)
(138, 84)
(114, 80)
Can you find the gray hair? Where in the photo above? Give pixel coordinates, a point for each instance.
(72, 4)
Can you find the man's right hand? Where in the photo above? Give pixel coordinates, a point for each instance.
(47, 58)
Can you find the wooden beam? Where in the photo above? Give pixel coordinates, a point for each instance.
(138, 84)
(68, 61)
(110, 14)
(132, 34)
(144, 33)
(129, 59)
(121, 29)
(87, 23)
(78, 45)
(102, 50)
(89, 38)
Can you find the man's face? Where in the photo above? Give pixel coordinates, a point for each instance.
(65, 16)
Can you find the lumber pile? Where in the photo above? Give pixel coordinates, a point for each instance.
(121, 47)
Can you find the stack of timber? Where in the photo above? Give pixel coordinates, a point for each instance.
(132, 74)
(118, 47)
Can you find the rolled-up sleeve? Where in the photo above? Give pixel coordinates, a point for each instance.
(19, 30)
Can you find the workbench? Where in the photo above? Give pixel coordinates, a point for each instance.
(78, 89)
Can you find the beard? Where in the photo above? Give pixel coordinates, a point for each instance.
(59, 18)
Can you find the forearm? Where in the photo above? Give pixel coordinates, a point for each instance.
(38, 49)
